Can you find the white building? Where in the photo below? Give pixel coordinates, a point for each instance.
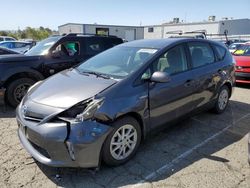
(128, 33)
(232, 27)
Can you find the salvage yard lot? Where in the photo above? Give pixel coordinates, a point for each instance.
(206, 150)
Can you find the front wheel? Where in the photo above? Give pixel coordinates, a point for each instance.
(17, 89)
(222, 100)
(123, 142)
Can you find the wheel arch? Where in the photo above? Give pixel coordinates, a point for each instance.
(139, 119)
(230, 87)
(25, 74)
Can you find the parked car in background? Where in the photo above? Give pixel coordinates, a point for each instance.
(242, 58)
(103, 108)
(233, 47)
(20, 47)
(52, 55)
(6, 51)
(5, 38)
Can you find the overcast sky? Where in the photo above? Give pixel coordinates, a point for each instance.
(16, 14)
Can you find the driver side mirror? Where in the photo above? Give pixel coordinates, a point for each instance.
(55, 54)
(160, 77)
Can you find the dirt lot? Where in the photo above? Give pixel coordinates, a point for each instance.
(206, 150)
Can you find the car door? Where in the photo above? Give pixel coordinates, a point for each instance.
(207, 72)
(62, 56)
(168, 101)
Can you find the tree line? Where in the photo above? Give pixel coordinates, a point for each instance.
(29, 33)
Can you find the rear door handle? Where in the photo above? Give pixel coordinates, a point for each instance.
(189, 83)
(219, 71)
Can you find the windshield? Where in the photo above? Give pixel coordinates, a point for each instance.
(243, 50)
(117, 62)
(42, 47)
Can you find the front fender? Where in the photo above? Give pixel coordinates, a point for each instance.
(135, 105)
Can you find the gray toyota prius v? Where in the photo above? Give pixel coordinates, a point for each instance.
(102, 109)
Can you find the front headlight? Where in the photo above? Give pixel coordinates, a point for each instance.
(90, 110)
(31, 87)
(83, 111)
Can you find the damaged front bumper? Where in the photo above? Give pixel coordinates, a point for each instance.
(61, 143)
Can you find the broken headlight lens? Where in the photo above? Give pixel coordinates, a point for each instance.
(83, 111)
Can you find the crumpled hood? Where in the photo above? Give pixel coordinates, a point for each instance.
(17, 57)
(68, 88)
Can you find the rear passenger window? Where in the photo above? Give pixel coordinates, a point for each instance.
(201, 53)
(221, 52)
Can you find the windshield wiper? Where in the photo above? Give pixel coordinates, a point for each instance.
(96, 74)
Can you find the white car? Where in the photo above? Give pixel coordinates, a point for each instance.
(5, 38)
(18, 46)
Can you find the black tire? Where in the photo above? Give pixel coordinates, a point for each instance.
(13, 97)
(106, 150)
(217, 108)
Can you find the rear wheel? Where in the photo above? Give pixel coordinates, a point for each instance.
(222, 100)
(123, 142)
(17, 89)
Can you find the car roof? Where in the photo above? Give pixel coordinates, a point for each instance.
(25, 42)
(162, 43)
(7, 37)
(238, 43)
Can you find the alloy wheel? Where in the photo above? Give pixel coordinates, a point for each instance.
(20, 91)
(223, 99)
(123, 142)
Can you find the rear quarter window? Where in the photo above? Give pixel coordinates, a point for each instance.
(221, 52)
(111, 42)
(94, 45)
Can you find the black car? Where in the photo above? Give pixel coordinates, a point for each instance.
(103, 108)
(52, 55)
(6, 51)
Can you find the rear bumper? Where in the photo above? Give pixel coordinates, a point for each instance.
(242, 77)
(2, 95)
(62, 144)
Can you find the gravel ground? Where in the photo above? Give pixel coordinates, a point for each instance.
(206, 150)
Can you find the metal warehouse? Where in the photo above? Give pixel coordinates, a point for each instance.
(128, 33)
(231, 26)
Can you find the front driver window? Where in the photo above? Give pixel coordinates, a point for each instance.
(146, 75)
(68, 49)
(172, 62)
